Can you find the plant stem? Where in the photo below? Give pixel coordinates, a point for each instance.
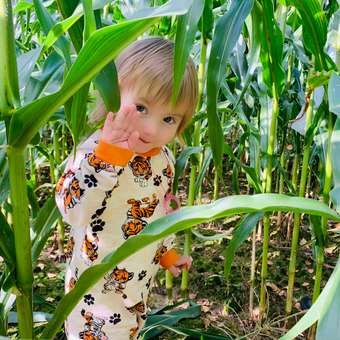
(252, 273)
(9, 88)
(324, 221)
(20, 215)
(297, 217)
(193, 170)
(268, 186)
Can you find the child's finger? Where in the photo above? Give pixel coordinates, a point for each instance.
(133, 139)
(125, 116)
(174, 271)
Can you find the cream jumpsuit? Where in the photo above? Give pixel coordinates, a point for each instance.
(108, 194)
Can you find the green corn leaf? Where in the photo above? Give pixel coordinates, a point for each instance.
(48, 76)
(107, 84)
(333, 94)
(202, 171)
(89, 20)
(227, 31)
(185, 36)
(7, 248)
(43, 226)
(155, 321)
(47, 22)
(183, 219)
(67, 9)
(206, 23)
(78, 113)
(181, 162)
(314, 27)
(335, 151)
(324, 307)
(59, 29)
(329, 322)
(271, 50)
(243, 230)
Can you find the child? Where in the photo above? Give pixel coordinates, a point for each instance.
(116, 185)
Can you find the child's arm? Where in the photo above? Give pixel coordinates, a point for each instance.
(91, 177)
(84, 186)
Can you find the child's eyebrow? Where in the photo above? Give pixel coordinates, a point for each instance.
(177, 115)
(145, 100)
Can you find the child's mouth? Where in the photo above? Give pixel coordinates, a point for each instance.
(144, 141)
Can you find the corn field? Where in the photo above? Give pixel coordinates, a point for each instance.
(260, 161)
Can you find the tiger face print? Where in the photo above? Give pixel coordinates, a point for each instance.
(133, 227)
(137, 308)
(92, 327)
(135, 222)
(60, 183)
(72, 194)
(141, 167)
(90, 248)
(97, 163)
(116, 280)
(159, 253)
(147, 210)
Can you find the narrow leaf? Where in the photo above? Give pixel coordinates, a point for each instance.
(227, 31)
(185, 36)
(243, 230)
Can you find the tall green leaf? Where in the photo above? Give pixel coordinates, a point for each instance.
(183, 219)
(185, 36)
(271, 50)
(314, 27)
(7, 242)
(43, 227)
(227, 31)
(244, 228)
(47, 22)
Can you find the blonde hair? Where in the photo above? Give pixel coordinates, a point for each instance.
(147, 66)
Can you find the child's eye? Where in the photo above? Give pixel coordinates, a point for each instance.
(141, 108)
(169, 120)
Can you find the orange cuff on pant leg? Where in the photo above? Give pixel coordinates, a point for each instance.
(169, 258)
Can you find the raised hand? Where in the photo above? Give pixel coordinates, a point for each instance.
(120, 129)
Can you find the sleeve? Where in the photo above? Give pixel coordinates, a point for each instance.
(89, 178)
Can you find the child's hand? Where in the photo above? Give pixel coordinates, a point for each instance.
(182, 262)
(120, 130)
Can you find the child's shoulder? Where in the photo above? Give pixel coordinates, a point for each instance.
(90, 142)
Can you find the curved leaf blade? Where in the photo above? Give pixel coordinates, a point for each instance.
(181, 220)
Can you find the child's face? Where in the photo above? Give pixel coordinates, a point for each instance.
(156, 123)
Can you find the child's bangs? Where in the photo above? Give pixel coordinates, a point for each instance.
(156, 87)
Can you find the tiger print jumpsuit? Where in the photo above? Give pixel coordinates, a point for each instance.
(109, 194)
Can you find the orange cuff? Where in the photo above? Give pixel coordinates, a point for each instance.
(112, 154)
(169, 258)
(117, 155)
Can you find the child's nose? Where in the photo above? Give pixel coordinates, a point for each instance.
(149, 129)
